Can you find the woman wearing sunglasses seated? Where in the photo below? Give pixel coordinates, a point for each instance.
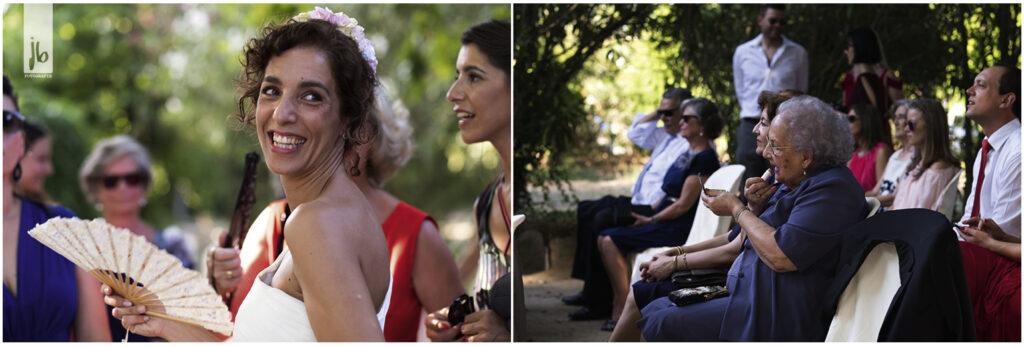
(933, 163)
(115, 178)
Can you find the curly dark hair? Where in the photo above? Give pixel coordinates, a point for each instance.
(354, 77)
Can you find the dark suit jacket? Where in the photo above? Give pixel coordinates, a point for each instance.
(932, 303)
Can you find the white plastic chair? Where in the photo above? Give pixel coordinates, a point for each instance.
(950, 195)
(706, 225)
(874, 204)
(866, 299)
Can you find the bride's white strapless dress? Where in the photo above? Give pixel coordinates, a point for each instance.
(269, 314)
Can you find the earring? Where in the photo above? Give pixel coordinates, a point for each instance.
(98, 206)
(142, 202)
(16, 175)
(805, 172)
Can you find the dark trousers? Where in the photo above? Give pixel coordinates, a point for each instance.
(746, 144)
(592, 217)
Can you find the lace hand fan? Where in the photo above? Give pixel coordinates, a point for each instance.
(138, 271)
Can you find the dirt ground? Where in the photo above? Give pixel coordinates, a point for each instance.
(547, 317)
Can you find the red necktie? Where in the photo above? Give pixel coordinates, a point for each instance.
(985, 147)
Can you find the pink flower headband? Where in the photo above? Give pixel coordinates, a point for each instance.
(348, 26)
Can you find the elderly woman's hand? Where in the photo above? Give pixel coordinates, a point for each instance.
(438, 327)
(757, 192)
(720, 202)
(485, 326)
(658, 268)
(132, 317)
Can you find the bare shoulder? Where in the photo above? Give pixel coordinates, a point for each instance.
(321, 220)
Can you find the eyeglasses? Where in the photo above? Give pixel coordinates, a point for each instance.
(459, 309)
(852, 119)
(133, 179)
(13, 121)
(666, 113)
(910, 125)
(775, 149)
(778, 21)
(687, 117)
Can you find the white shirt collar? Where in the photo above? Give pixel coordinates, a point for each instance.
(999, 137)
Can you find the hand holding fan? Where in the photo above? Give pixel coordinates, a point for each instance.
(137, 270)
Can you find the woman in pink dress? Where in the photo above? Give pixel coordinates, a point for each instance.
(873, 148)
(933, 163)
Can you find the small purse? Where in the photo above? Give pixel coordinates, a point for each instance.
(699, 277)
(686, 296)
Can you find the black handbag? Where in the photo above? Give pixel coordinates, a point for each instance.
(686, 296)
(699, 277)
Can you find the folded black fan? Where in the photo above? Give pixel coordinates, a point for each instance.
(699, 277)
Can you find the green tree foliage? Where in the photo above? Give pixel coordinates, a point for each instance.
(164, 74)
(552, 43)
(937, 54)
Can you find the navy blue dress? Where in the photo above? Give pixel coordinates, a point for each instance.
(668, 232)
(47, 299)
(764, 305)
(645, 292)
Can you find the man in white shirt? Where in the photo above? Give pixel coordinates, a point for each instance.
(593, 216)
(993, 103)
(768, 62)
(991, 240)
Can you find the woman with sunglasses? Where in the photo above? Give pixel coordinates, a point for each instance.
(933, 164)
(46, 297)
(872, 145)
(717, 252)
(673, 214)
(898, 161)
(115, 177)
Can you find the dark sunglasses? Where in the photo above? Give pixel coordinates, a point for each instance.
(666, 113)
(459, 309)
(13, 121)
(910, 125)
(852, 119)
(133, 179)
(687, 117)
(774, 21)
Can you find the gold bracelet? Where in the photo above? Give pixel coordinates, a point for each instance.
(675, 264)
(737, 215)
(685, 265)
(679, 250)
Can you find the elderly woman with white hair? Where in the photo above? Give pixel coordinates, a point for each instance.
(791, 251)
(115, 178)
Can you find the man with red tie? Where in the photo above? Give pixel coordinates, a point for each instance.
(991, 247)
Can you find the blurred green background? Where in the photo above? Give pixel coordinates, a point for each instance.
(164, 74)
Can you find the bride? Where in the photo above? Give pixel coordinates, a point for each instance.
(312, 82)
